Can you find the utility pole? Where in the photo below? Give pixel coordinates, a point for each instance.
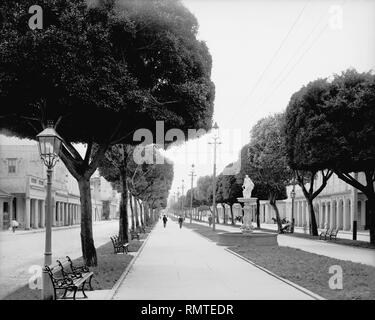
(215, 143)
(191, 192)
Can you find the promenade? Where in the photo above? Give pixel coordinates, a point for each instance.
(180, 264)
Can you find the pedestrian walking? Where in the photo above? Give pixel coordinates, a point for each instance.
(165, 219)
(210, 220)
(14, 225)
(180, 221)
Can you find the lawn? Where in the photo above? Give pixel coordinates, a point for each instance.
(106, 273)
(308, 270)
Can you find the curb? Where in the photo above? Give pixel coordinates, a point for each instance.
(292, 284)
(127, 269)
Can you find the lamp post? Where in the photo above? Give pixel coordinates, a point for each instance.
(182, 197)
(292, 196)
(178, 197)
(49, 149)
(215, 142)
(191, 192)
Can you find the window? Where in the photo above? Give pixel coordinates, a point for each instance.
(12, 165)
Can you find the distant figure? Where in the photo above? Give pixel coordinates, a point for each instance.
(165, 219)
(210, 220)
(180, 221)
(14, 225)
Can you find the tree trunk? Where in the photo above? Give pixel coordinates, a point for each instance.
(141, 214)
(257, 214)
(217, 215)
(371, 216)
(231, 213)
(274, 206)
(87, 239)
(146, 213)
(136, 213)
(224, 216)
(314, 226)
(131, 212)
(123, 221)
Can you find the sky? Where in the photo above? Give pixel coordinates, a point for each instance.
(263, 52)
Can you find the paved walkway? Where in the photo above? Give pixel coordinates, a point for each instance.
(322, 247)
(180, 264)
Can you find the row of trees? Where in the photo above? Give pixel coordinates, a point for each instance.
(143, 186)
(100, 70)
(328, 127)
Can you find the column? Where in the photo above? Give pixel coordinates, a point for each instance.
(10, 208)
(327, 214)
(27, 213)
(353, 212)
(43, 212)
(340, 213)
(304, 212)
(34, 203)
(354, 208)
(1, 214)
(362, 223)
(79, 213)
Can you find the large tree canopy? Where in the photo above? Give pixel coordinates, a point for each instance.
(306, 133)
(338, 132)
(100, 72)
(124, 65)
(266, 161)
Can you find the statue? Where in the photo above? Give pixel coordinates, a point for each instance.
(247, 187)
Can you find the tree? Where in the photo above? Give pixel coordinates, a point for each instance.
(115, 168)
(231, 189)
(100, 73)
(266, 159)
(346, 139)
(302, 127)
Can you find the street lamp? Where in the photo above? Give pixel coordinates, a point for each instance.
(182, 198)
(49, 149)
(215, 142)
(292, 196)
(178, 198)
(191, 192)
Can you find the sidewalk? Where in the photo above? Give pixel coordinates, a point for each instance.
(23, 231)
(180, 264)
(322, 247)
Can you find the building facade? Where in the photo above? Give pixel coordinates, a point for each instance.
(337, 206)
(23, 190)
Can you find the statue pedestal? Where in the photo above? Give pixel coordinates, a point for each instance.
(249, 211)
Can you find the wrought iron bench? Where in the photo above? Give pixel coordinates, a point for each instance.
(141, 229)
(333, 234)
(324, 234)
(119, 245)
(134, 234)
(68, 281)
(68, 269)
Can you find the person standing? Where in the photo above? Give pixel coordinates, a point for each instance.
(165, 219)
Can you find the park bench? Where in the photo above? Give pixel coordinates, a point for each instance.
(324, 234)
(134, 234)
(333, 234)
(62, 279)
(119, 245)
(141, 229)
(68, 269)
(287, 228)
